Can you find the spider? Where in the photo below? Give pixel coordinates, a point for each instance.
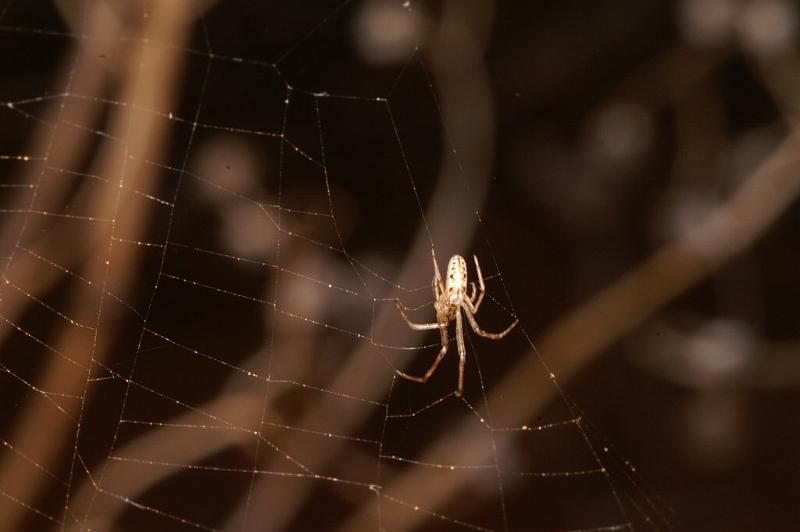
(451, 297)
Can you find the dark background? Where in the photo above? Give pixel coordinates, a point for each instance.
(604, 132)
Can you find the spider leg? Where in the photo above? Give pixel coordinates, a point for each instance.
(439, 357)
(474, 292)
(438, 277)
(435, 288)
(462, 354)
(475, 305)
(492, 336)
(415, 326)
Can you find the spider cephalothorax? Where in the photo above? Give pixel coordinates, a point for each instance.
(451, 297)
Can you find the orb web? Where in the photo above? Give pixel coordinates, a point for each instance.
(208, 215)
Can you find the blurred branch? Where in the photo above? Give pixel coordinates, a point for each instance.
(586, 332)
(164, 449)
(149, 80)
(465, 98)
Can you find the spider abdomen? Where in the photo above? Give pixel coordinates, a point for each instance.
(456, 282)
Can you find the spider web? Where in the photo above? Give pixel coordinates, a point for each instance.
(205, 227)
